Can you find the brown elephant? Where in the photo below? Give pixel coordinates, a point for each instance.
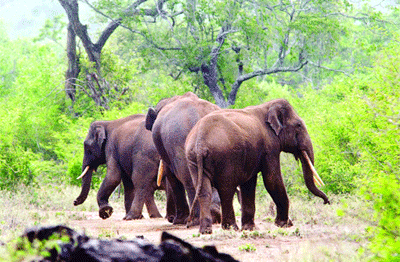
(170, 123)
(229, 147)
(127, 149)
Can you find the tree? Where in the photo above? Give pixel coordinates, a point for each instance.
(96, 84)
(224, 42)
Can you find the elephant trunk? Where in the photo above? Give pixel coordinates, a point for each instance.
(86, 181)
(311, 176)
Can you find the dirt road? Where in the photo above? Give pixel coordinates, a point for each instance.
(307, 242)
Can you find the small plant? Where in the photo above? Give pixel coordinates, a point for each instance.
(106, 233)
(269, 219)
(296, 232)
(282, 232)
(247, 248)
(252, 234)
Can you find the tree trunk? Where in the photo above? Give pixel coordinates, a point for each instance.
(210, 77)
(73, 64)
(96, 86)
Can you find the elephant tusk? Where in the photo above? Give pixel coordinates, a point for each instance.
(160, 173)
(317, 178)
(83, 173)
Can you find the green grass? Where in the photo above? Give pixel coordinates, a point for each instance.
(31, 206)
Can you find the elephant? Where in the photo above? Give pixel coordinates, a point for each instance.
(128, 151)
(228, 148)
(170, 123)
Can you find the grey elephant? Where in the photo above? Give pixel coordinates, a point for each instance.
(170, 122)
(127, 149)
(229, 147)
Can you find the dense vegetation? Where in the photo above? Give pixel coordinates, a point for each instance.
(352, 117)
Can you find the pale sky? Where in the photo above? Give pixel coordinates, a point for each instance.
(24, 18)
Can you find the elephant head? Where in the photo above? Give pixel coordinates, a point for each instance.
(94, 156)
(293, 137)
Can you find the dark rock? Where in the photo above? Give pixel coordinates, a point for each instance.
(80, 247)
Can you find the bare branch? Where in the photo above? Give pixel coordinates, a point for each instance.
(329, 69)
(130, 12)
(364, 17)
(267, 71)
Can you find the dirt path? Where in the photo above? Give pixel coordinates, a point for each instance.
(268, 243)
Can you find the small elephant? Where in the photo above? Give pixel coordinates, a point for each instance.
(229, 147)
(127, 149)
(170, 123)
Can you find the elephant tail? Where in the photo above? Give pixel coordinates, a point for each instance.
(200, 172)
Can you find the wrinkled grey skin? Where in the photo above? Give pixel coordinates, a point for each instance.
(127, 149)
(228, 148)
(170, 123)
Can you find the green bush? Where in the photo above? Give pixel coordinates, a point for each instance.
(380, 158)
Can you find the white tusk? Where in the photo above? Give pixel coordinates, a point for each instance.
(83, 173)
(160, 173)
(317, 178)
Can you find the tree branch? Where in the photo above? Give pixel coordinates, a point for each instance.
(240, 79)
(329, 69)
(72, 9)
(130, 12)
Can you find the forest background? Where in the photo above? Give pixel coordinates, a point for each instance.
(337, 62)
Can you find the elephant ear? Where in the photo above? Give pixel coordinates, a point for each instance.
(100, 135)
(150, 118)
(274, 119)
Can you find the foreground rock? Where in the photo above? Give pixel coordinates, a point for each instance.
(72, 246)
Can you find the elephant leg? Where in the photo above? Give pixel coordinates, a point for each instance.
(139, 200)
(183, 174)
(151, 205)
(205, 196)
(247, 195)
(110, 182)
(170, 202)
(179, 196)
(228, 214)
(191, 192)
(215, 206)
(273, 182)
(143, 178)
(129, 191)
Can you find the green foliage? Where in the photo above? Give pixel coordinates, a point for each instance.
(29, 106)
(53, 30)
(385, 193)
(23, 250)
(255, 35)
(381, 147)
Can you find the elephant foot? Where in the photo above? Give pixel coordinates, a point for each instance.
(205, 226)
(170, 218)
(155, 215)
(216, 215)
(283, 223)
(194, 222)
(249, 227)
(228, 226)
(132, 217)
(180, 220)
(105, 212)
